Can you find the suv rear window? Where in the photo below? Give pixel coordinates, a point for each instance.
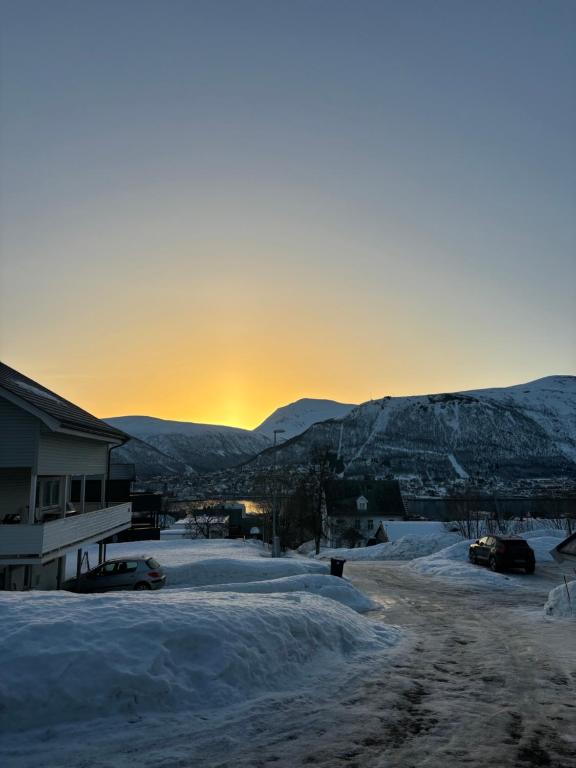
(151, 563)
(516, 543)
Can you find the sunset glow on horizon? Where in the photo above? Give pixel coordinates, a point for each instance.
(211, 210)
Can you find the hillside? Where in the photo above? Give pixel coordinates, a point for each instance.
(527, 430)
(149, 461)
(203, 447)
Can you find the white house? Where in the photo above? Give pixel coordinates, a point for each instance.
(54, 464)
(357, 511)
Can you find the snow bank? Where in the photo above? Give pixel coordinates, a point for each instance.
(323, 585)
(397, 529)
(453, 563)
(562, 601)
(537, 533)
(542, 546)
(196, 562)
(406, 548)
(230, 571)
(72, 657)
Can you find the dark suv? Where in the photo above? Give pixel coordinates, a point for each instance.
(501, 553)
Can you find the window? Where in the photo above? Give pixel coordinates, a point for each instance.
(106, 570)
(127, 567)
(48, 492)
(370, 524)
(357, 524)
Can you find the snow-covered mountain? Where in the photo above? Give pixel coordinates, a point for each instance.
(297, 417)
(203, 447)
(521, 431)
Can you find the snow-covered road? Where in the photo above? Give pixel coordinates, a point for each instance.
(483, 678)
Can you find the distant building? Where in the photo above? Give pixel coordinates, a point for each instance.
(147, 507)
(357, 510)
(54, 466)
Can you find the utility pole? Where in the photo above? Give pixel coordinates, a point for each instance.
(275, 537)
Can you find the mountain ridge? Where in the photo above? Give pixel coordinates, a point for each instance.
(518, 431)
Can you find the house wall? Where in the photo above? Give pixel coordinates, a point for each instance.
(14, 490)
(67, 455)
(19, 432)
(45, 576)
(13, 578)
(338, 525)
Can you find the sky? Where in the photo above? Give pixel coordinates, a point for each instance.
(211, 208)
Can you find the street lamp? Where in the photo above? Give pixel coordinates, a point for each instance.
(275, 537)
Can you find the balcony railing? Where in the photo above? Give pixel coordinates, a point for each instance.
(34, 543)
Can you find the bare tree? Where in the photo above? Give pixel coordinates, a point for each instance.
(202, 522)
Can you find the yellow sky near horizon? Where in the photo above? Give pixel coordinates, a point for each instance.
(232, 397)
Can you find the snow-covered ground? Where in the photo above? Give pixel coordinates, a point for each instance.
(561, 601)
(233, 624)
(249, 661)
(196, 562)
(452, 563)
(473, 662)
(74, 657)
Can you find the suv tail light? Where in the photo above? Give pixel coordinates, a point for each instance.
(154, 574)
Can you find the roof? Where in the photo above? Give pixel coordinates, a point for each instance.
(383, 496)
(567, 548)
(66, 414)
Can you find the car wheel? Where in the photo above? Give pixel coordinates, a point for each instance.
(472, 558)
(530, 568)
(142, 585)
(493, 565)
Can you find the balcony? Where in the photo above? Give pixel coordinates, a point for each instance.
(33, 544)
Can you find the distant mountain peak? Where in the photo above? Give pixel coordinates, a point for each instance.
(299, 416)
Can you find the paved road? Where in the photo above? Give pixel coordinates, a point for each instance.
(482, 679)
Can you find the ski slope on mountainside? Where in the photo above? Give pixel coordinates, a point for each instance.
(522, 431)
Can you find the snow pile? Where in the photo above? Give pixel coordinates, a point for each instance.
(168, 651)
(230, 571)
(537, 533)
(318, 584)
(196, 562)
(406, 548)
(453, 563)
(562, 601)
(542, 546)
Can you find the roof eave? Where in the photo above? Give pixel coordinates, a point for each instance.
(55, 425)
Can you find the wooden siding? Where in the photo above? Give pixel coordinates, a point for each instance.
(68, 455)
(19, 436)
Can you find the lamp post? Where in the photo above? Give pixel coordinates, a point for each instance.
(275, 537)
